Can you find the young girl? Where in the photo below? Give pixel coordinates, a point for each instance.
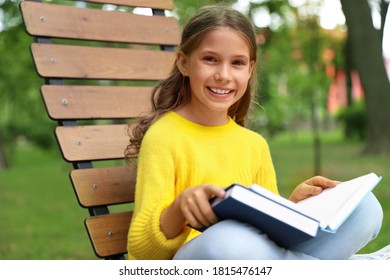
(193, 144)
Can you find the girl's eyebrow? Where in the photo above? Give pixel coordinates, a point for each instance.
(239, 56)
(209, 52)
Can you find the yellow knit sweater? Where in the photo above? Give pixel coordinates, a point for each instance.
(176, 154)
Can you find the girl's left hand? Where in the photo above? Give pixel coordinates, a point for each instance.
(310, 187)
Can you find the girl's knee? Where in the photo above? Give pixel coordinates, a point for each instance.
(372, 213)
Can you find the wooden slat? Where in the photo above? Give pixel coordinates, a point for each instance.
(96, 102)
(48, 20)
(157, 4)
(60, 61)
(94, 142)
(104, 186)
(108, 233)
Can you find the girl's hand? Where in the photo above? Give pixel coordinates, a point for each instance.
(192, 207)
(312, 186)
(195, 206)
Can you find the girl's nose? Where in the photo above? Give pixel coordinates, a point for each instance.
(222, 73)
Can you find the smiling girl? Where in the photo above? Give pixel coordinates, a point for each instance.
(194, 143)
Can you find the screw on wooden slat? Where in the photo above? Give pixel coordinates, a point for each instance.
(167, 30)
(94, 186)
(78, 142)
(53, 60)
(64, 101)
(110, 234)
(42, 18)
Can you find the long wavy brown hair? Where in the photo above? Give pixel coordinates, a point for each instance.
(174, 91)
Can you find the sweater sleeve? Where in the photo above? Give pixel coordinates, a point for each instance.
(154, 192)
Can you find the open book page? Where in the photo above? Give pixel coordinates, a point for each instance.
(274, 197)
(332, 206)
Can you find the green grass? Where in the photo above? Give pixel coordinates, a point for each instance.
(41, 219)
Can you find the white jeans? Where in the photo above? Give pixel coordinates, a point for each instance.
(231, 239)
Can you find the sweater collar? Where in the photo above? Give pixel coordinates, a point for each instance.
(181, 121)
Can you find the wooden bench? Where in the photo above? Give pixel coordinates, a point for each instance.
(99, 61)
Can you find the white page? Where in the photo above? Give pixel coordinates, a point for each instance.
(273, 196)
(325, 205)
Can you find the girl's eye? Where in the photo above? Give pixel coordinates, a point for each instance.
(239, 63)
(210, 59)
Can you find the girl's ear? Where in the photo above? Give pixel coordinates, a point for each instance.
(181, 63)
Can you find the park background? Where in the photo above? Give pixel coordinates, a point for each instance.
(323, 94)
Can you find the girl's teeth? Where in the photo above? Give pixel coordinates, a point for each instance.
(219, 91)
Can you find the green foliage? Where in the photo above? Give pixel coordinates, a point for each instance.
(184, 9)
(10, 14)
(292, 78)
(20, 101)
(353, 118)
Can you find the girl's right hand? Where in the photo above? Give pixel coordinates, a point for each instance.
(195, 206)
(192, 207)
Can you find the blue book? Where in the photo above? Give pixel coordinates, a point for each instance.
(288, 223)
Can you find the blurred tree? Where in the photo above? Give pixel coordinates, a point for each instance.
(294, 62)
(186, 8)
(22, 112)
(365, 48)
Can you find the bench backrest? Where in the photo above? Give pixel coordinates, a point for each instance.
(99, 61)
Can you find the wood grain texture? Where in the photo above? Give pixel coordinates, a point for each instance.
(108, 233)
(157, 4)
(93, 142)
(104, 186)
(80, 62)
(42, 19)
(96, 102)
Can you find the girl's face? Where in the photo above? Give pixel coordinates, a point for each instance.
(219, 71)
